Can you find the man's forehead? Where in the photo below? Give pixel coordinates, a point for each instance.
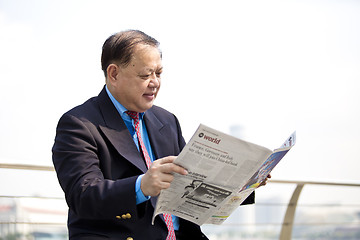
(147, 54)
(140, 47)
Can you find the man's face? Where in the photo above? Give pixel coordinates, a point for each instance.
(138, 84)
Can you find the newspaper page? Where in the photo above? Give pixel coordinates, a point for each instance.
(223, 172)
(254, 182)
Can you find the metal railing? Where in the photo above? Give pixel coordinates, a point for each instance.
(287, 225)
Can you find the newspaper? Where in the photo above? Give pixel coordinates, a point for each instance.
(223, 172)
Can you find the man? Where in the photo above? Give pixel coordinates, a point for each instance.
(114, 153)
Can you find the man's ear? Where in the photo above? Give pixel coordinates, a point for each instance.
(112, 72)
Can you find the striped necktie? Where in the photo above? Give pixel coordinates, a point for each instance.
(167, 217)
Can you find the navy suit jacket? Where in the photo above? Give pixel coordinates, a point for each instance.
(97, 164)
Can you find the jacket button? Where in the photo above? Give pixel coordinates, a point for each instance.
(118, 217)
(123, 216)
(128, 215)
(129, 238)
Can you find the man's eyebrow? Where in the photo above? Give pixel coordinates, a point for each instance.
(154, 70)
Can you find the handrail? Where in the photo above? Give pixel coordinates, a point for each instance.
(316, 183)
(36, 197)
(51, 168)
(26, 167)
(288, 222)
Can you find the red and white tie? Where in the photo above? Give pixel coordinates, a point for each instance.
(167, 217)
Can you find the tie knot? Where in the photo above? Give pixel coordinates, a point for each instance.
(133, 115)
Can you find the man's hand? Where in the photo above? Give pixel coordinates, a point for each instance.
(160, 175)
(265, 181)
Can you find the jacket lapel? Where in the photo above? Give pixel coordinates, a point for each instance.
(117, 133)
(157, 132)
(160, 144)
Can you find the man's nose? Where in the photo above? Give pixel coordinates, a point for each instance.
(154, 81)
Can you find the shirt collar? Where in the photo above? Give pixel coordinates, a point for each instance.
(120, 108)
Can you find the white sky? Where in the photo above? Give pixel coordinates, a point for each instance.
(271, 67)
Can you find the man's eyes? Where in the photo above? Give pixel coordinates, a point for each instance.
(144, 76)
(147, 76)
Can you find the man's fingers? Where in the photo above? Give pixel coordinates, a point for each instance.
(170, 168)
(160, 175)
(166, 165)
(165, 160)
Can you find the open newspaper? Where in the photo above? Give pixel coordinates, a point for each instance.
(223, 172)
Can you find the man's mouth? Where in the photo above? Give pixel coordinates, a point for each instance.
(149, 96)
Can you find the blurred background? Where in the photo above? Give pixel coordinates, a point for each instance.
(258, 70)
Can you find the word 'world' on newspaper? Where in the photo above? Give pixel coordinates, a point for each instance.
(223, 172)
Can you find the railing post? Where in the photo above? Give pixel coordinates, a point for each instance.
(287, 226)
